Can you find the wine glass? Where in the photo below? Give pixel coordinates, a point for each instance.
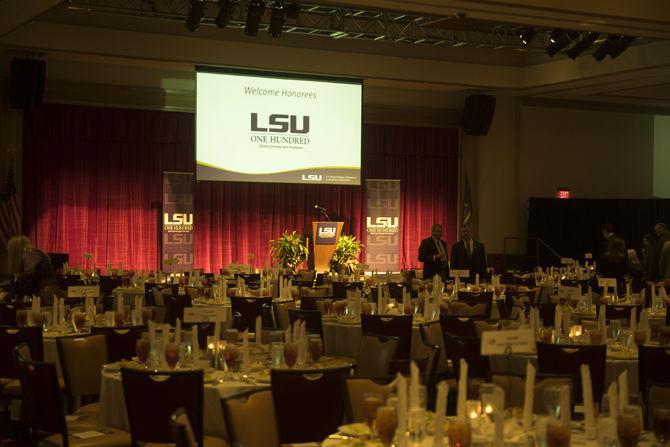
(21, 317)
(315, 348)
(37, 317)
(371, 402)
(172, 355)
(558, 434)
(290, 354)
(147, 314)
(615, 326)
(78, 320)
(460, 433)
(47, 320)
(142, 348)
(552, 401)
(119, 318)
(386, 423)
(661, 423)
(327, 306)
(629, 426)
(231, 356)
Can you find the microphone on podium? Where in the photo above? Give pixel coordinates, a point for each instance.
(322, 210)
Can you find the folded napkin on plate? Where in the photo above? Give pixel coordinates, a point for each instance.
(259, 330)
(623, 390)
(462, 389)
(177, 332)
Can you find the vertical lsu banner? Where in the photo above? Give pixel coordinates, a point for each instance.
(177, 222)
(382, 225)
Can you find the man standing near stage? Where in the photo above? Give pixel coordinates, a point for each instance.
(433, 254)
(468, 254)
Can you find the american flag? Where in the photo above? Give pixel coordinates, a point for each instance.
(10, 216)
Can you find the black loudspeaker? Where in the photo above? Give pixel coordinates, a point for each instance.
(26, 83)
(478, 114)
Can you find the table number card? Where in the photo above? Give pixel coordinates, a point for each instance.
(516, 341)
(83, 291)
(607, 283)
(459, 273)
(205, 314)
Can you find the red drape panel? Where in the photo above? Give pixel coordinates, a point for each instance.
(92, 183)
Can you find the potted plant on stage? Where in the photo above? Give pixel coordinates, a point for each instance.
(288, 250)
(345, 257)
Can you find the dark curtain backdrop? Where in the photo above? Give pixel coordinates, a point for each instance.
(92, 183)
(572, 226)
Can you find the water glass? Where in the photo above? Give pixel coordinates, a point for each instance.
(629, 426)
(277, 354)
(371, 402)
(615, 326)
(417, 425)
(552, 401)
(661, 425)
(386, 423)
(607, 432)
(460, 433)
(47, 320)
(558, 434)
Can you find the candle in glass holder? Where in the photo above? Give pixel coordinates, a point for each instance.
(576, 331)
(473, 408)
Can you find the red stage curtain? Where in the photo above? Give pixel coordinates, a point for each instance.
(92, 180)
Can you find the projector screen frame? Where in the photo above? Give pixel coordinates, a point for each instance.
(284, 75)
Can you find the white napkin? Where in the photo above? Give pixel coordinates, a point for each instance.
(165, 334)
(217, 331)
(177, 332)
(194, 337)
(644, 322)
(564, 396)
(303, 330)
(628, 290)
(246, 357)
(440, 412)
(633, 320)
(296, 331)
(37, 303)
(119, 302)
(587, 398)
(413, 386)
(477, 280)
(566, 321)
(558, 314)
(623, 390)
(602, 325)
(401, 385)
(54, 311)
(152, 331)
(462, 389)
(529, 397)
(613, 397)
(61, 310)
(499, 415)
(287, 335)
(259, 330)
(522, 318)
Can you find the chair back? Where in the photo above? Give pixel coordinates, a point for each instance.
(613, 312)
(174, 307)
(567, 360)
(281, 313)
(520, 281)
(475, 297)
(245, 311)
(11, 336)
(431, 334)
(356, 389)
(399, 326)
(547, 313)
(375, 353)
(466, 308)
(182, 431)
(312, 319)
(457, 326)
(41, 396)
(657, 396)
(395, 290)
(340, 288)
(466, 348)
(309, 405)
(120, 341)
(430, 373)
(81, 360)
(254, 405)
(152, 397)
(7, 314)
(109, 283)
(204, 330)
(653, 365)
(514, 387)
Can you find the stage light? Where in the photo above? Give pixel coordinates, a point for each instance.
(559, 40)
(196, 10)
(255, 12)
(526, 35)
(581, 46)
(293, 10)
(277, 19)
(621, 45)
(605, 47)
(226, 9)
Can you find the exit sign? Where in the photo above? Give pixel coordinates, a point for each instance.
(563, 193)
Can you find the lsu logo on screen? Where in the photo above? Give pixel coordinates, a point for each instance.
(382, 225)
(279, 123)
(312, 177)
(178, 222)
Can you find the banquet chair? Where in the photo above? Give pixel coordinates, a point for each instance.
(515, 388)
(7, 314)
(567, 359)
(174, 307)
(340, 288)
(482, 326)
(245, 311)
(431, 334)
(182, 432)
(312, 320)
(471, 309)
(475, 297)
(254, 405)
(457, 325)
(429, 376)
(520, 281)
(13, 336)
(583, 284)
(152, 397)
(109, 283)
(657, 396)
(614, 312)
(547, 313)
(356, 389)
(120, 341)
(281, 313)
(44, 408)
(467, 348)
(393, 326)
(375, 353)
(309, 405)
(653, 365)
(81, 360)
(310, 302)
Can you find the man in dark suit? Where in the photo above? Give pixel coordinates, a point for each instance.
(468, 254)
(433, 254)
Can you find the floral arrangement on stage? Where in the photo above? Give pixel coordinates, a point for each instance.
(347, 251)
(289, 250)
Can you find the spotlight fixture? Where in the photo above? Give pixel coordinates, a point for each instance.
(581, 46)
(196, 10)
(293, 10)
(621, 45)
(526, 35)
(277, 19)
(605, 47)
(226, 8)
(559, 39)
(255, 11)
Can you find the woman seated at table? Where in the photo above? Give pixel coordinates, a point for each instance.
(32, 270)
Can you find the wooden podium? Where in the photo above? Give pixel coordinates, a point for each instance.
(326, 235)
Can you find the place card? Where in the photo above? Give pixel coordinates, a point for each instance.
(515, 341)
(588, 256)
(83, 291)
(91, 433)
(459, 273)
(569, 292)
(607, 283)
(567, 261)
(205, 314)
